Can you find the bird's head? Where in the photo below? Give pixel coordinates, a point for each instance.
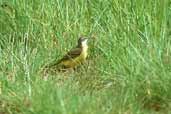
(82, 41)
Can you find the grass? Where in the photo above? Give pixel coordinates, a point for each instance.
(128, 69)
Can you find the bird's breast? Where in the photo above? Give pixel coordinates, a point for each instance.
(78, 60)
(84, 52)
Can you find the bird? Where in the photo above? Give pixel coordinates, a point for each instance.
(75, 56)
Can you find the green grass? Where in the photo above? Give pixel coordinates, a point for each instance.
(128, 70)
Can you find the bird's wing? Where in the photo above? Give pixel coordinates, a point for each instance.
(70, 55)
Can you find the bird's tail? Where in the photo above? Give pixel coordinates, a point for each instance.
(53, 67)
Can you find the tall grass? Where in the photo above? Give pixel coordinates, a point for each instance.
(128, 70)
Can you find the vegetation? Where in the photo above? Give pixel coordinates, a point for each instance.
(128, 70)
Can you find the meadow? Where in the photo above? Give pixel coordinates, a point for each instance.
(128, 70)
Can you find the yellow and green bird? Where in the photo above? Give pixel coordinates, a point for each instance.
(75, 56)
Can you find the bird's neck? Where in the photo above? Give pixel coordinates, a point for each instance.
(81, 46)
(84, 48)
